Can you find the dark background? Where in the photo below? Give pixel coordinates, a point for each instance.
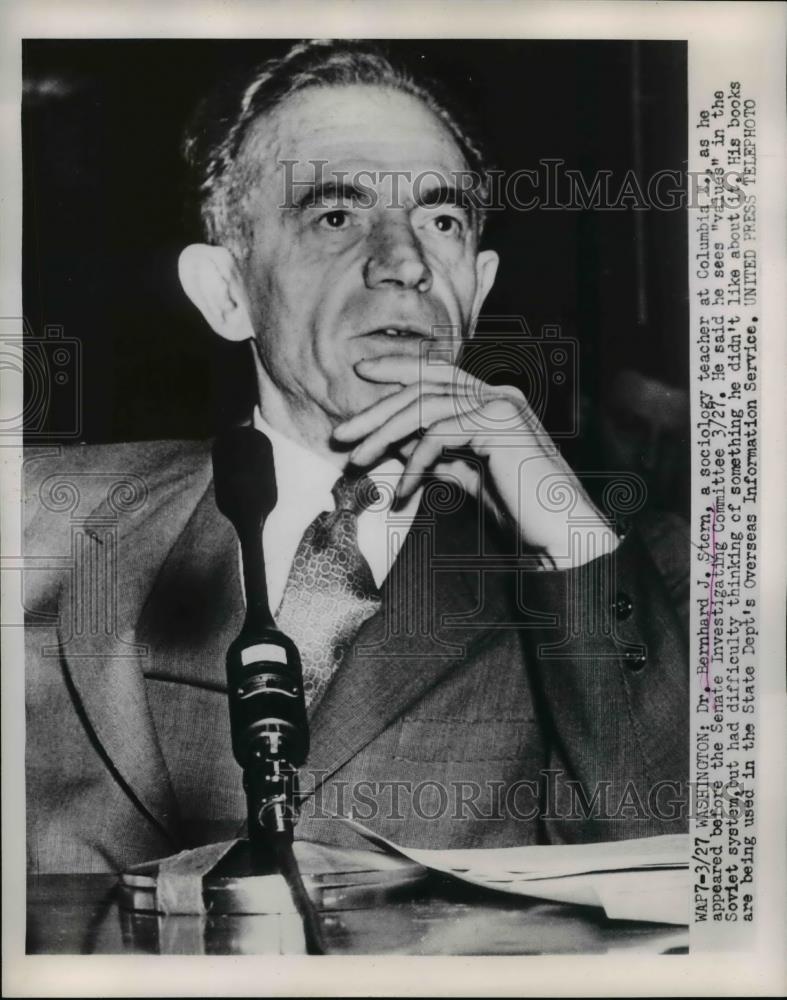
(104, 217)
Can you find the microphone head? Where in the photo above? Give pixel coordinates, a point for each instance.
(244, 479)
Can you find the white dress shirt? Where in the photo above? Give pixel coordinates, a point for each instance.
(303, 485)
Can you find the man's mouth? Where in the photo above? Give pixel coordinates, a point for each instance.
(399, 332)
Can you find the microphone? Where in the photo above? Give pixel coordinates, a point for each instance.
(268, 721)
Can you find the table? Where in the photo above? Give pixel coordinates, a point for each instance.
(79, 915)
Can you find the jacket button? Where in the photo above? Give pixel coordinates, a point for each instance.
(622, 607)
(636, 661)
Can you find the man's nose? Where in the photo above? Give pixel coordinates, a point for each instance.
(396, 260)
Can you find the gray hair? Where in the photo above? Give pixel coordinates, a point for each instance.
(214, 141)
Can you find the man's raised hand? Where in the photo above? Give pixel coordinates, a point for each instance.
(443, 406)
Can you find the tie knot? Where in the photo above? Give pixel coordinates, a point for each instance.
(354, 493)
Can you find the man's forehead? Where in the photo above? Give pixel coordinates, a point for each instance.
(359, 127)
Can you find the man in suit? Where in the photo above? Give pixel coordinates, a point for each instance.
(487, 660)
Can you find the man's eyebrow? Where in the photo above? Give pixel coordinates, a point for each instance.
(330, 193)
(446, 194)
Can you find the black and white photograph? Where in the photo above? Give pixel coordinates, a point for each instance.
(388, 494)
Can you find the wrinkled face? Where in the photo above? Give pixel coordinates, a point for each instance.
(357, 249)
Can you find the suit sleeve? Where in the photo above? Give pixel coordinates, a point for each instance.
(608, 655)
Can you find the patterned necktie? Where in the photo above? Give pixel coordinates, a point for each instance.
(330, 591)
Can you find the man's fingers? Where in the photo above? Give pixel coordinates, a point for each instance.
(417, 414)
(360, 425)
(378, 413)
(428, 452)
(408, 370)
(405, 450)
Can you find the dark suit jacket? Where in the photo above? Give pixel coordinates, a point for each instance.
(483, 705)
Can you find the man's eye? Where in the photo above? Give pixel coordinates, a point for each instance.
(336, 219)
(447, 224)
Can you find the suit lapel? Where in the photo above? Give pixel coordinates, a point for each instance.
(115, 559)
(195, 608)
(112, 694)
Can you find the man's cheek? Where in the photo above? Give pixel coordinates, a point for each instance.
(456, 289)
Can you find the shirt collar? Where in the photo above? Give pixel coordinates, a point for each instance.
(302, 476)
(297, 466)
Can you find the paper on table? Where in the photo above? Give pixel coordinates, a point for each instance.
(663, 896)
(641, 879)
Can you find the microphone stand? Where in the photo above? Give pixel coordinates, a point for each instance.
(270, 741)
(268, 721)
(270, 734)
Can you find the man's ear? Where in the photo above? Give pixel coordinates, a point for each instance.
(211, 280)
(485, 272)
